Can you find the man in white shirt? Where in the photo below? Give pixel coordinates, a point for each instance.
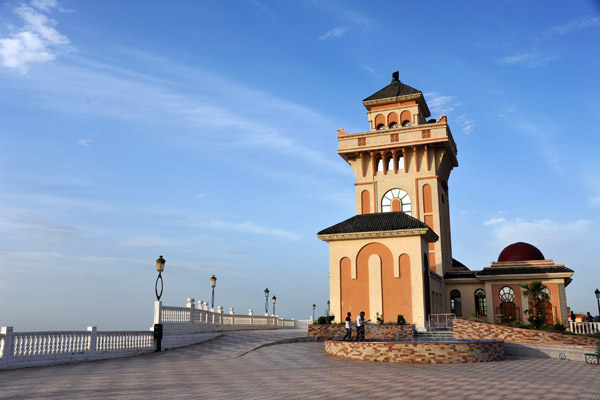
(360, 326)
(348, 327)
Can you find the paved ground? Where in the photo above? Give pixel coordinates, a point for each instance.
(232, 367)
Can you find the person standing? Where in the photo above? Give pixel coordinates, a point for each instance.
(348, 327)
(360, 326)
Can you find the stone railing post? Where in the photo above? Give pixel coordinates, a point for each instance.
(191, 304)
(251, 314)
(158, 312)
(220, 311)
(7, 331)
(93, 339)
(232, 313)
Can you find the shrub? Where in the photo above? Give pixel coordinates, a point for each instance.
(401, 320)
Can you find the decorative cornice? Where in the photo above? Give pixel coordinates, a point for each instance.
(429, 235)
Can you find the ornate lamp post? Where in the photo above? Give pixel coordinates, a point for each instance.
(314, 306)
(598, 299)
(328, 307)
(160, 267)
(213, 283)
(267, 301)
(274, 300)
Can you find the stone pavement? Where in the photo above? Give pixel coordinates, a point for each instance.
(233, 366)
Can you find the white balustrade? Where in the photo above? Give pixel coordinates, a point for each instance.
(584, 327)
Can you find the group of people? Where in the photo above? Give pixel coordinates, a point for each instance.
(588, 317)
(360, 326)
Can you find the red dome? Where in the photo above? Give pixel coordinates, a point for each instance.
(520, 252)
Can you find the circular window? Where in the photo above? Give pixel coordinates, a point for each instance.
(507, 295)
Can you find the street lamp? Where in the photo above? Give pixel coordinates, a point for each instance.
(598, 299)
(328, 307)
(213, 283)
(267, 301)
(274, 300)
(314, 306)
(160, 267)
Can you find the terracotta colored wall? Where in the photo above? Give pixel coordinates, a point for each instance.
(379, 119)
(418, 352)
(406, 116)
(396, 205)
(479, 331)
(365, 202)
(393, 117)
(427, 199)
(354, 292)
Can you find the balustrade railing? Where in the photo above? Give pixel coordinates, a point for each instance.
(18, 349)
(584, 327)
(200, 314)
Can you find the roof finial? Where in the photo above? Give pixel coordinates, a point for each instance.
(396, 76)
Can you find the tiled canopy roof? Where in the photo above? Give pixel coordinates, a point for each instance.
(507, 271)
(394, 89)
(523, 270)
(387, 221)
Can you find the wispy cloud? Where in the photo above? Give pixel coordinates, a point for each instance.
(37, 41)
(573, 26)
(466, 124)
(85, 142)
(526, 60)
(439, 104)
(20, 225)
(246, 227)
(334, 33)
(494, 221)
(546, 234)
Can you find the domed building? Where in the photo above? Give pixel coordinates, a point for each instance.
(394, 257)
(495, 294)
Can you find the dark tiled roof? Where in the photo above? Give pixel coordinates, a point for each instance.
(458, 266)
(388, 221)
(394, 89)
(460, 274)
(523, 270)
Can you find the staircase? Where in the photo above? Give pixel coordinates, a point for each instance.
(434, 335)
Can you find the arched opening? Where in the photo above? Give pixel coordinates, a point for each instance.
(392, 120)
(455, 303)
(379, 163)
(400, 163)
(406, 118)
(390, 163)
(480, 303)
(379, 121)
(396, 205)
(508, 309)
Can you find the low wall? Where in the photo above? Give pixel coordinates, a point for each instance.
(561, 352)
(418, 352)
(371, 331)
(478, 331)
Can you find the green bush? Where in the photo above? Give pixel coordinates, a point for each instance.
(401, 320)
(324, 320)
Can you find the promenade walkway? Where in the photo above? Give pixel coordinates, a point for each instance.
(233, 366)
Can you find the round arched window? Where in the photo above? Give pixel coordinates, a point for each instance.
(380, 127)
(406, 123)
(507, 294)
(393, 125)
(400, 196)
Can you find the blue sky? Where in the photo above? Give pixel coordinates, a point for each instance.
(206, 132)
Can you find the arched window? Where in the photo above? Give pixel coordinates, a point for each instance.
(406, 123)
(507, 294)
(480, 303)
(399, 194)
(379, 165)
(390, 164)
(380, 127)
(400, 163)
(455, 303)
(393, 125)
